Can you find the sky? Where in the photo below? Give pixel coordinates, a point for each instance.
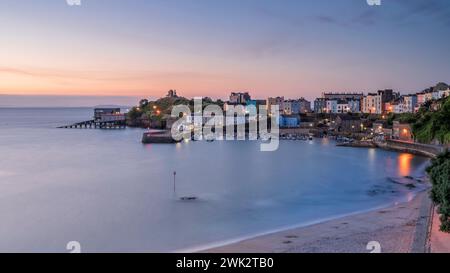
(295, 48)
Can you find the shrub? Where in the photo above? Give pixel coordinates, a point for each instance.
(439, 173)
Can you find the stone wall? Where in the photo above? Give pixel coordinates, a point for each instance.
(413, 148)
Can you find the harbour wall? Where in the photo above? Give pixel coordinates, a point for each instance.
(412, 148)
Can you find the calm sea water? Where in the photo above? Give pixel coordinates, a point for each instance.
(106, 190)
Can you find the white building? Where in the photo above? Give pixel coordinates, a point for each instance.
(397, 107)
(288, 107)
(342, 107)
(409, 103)
(372, 104)
(444, 93)
(435, 95)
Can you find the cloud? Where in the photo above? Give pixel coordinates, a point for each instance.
(327, 19)
(436, 10)
(368, 17)
(103, 75)
(273, 14)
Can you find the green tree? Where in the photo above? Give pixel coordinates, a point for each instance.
(433, 124)
(143, 103)
(439, 172)
(134, 113)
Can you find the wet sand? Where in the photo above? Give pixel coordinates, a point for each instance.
(398, 229)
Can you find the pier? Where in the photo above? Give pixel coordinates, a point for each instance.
(92, 124)
(104, 118)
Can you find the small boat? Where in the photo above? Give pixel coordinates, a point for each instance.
(188, 198)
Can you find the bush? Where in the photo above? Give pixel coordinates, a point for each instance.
(432, 125)
(439, 172)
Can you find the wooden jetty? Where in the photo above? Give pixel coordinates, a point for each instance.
(92, 124)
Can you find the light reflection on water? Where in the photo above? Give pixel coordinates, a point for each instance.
(404, 164)
(111, 193)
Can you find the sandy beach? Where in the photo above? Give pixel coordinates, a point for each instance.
(398, 229)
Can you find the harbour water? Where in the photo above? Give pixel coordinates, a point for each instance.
(108, 191)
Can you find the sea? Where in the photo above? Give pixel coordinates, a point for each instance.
(108, 192)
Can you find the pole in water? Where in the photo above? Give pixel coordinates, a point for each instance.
(174, 183)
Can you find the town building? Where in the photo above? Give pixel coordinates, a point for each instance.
(348, 123)
(342, 106)
(307, 121)
(387, 95)
(354, 106)
(421, 98)
(320, 105)
(371, 104)
(402, 131)
(435, 95)
(440, 91)
(343, 96)
(239, 98)
(444, 93)
(297, 106)
(304, 106)
(409, 103)
(256, 103)
(172, 94)
(275, 101)
(108, 115)
(374, 103)
(287, 109)
(289, 121)
(382, 128)
(397, 107)
(428, 96)
(331, 106)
